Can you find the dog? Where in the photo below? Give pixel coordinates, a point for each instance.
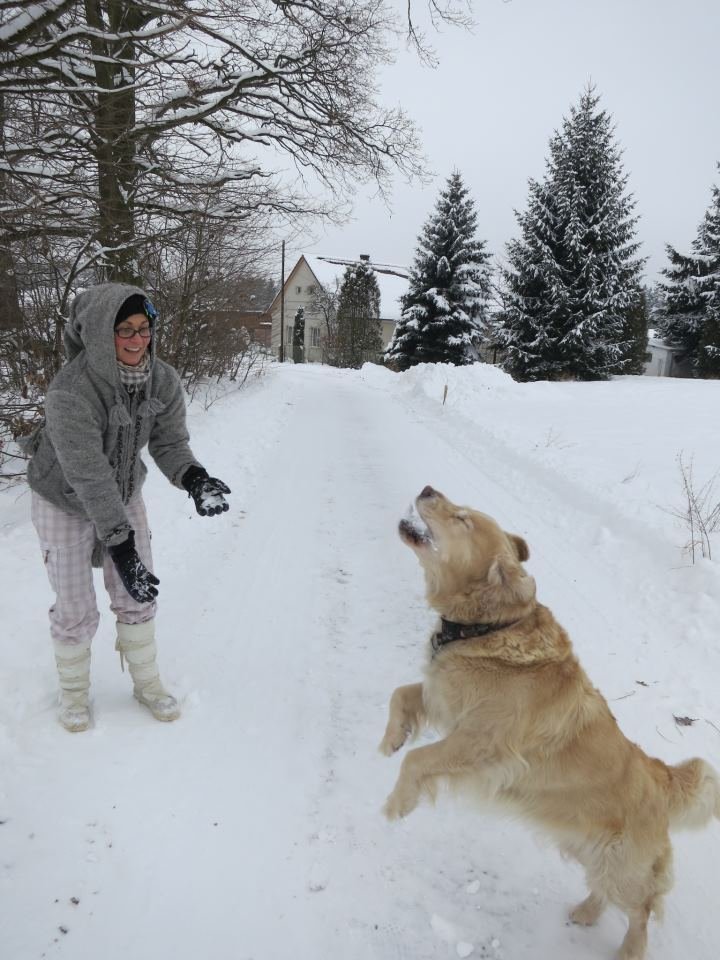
(524, 727)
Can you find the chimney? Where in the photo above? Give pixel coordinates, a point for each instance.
(365, 257)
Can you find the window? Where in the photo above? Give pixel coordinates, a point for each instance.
(648, 358)
(311, 288)
(314, 336)
(298, 289)
(288, 334)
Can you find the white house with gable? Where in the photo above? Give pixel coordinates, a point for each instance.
(309, 278)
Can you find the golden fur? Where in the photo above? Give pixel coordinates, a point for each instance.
(524, 727)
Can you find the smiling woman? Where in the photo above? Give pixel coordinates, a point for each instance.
(111, 398)
(133, 330)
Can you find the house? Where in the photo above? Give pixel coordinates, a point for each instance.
(256, 322)
(664, 360)
(314, 277)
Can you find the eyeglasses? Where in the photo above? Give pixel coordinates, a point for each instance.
(125, 333)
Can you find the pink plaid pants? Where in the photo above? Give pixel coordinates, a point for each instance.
(67, 544)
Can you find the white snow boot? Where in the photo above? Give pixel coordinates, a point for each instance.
(73, 665)
(136, 643)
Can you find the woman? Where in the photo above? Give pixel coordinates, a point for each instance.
(109, 400)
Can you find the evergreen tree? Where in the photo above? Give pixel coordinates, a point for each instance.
(691, 296)
(708, 365)
(682, 313)
(358, 330)
(636, 335)
(299, 336)
(444, 312)
(573, 284)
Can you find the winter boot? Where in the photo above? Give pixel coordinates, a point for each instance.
(73, 664)
(136, 643)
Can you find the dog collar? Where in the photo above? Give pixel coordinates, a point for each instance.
(450, 631)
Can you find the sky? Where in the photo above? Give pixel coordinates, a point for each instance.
(252, 826)
(498, 93)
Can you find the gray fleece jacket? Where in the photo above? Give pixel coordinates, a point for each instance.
(86, 457)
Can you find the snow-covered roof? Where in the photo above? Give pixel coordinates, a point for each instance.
(393, 284)
(656, 340)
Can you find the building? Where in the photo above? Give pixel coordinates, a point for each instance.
(664, 360)
(310, 283)
(257, 323)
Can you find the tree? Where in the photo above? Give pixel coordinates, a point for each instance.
(635, 335)
(197, 277)
(299, 336)
(708, 365)
(445, 311)
(358, 331)
(323, 307)
(690, 315)
(573, 280)
(120, 115)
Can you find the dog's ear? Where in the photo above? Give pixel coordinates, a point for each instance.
(507, 574)
(520, 546)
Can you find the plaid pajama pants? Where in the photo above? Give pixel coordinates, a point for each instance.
(67, 544)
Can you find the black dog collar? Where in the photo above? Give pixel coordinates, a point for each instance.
(450, 631)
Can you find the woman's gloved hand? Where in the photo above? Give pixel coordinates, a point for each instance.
(138, 581)
(206, 491)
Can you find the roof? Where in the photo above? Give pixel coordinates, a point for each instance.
(655, 340)
(392, 279)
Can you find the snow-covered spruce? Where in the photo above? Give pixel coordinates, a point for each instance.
(690, 312)
(444, 313)
(572, 288)
(358, 330)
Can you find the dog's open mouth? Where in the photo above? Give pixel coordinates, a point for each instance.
(413, 530)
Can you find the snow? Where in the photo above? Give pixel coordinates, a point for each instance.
(32, 13)
(251, 827)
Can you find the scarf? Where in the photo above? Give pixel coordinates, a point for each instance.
(132, 378)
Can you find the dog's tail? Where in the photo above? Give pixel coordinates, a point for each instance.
(693, 794)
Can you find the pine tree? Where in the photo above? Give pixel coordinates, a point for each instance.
(358, 330)
(709, 356)
(528, 328)
(691, 296)
(299, 336)
(444, 313)
(635, 335)
(573, 280)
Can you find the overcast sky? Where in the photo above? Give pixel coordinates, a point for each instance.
(498, 93)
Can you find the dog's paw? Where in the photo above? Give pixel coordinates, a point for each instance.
(399, 804)
(392, 741)
(587, 913)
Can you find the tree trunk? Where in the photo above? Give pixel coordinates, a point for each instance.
(114, 142)
(10, 312)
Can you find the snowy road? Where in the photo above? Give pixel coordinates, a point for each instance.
(251, 828)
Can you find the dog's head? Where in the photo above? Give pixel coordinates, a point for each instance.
(473, 568)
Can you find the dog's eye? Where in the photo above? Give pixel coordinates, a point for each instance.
(464, 519)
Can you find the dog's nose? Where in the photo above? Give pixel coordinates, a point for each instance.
(427, 492)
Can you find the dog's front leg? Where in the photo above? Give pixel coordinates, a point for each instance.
(407, 716)
(421, 768)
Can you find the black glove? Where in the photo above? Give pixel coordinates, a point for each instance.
(206, 491)
(138, 580)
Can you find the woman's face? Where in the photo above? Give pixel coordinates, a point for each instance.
(131, 349)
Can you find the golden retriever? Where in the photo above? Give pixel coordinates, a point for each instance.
(524, 727)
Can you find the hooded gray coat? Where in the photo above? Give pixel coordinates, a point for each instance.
(86, 457)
